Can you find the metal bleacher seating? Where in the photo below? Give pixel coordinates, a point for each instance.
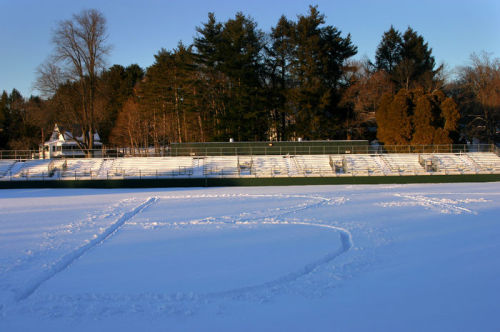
(485, 161)
(319, 165)
(403, 163)
(151, 166)
(221, 165)
(450, 163)
(5, 166)
(254, 166)
(364, 164)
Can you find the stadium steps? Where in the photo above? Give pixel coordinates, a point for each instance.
(450, 163)
(403, 163)
(82, 168)
(362, 164)
(31, 169)
(6, 166)
(488, 162)
(315, 165)
(220, 166)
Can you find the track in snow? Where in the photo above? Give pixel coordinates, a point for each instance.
(276, 216)
(345, 239)
(66, 260)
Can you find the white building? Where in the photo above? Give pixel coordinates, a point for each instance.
(62, 143)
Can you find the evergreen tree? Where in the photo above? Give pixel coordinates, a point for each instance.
(417, 118)
(230, 55)
(408, 60)
(278, 61)
(423, 119)
(317, 67)
(212, 87)
(3, 120)
(389, 51)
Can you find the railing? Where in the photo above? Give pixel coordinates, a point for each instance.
(269, 150)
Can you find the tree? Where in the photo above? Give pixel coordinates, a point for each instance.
(212, 82)
(116, 86)
(278, 61)
(478, 93)
(3, 119)
(418, 118)
(230, 59)
(319, 53)
(79, 56)
(389, 51)
(363, 97)
(166, 94)
(130, 128)
(408, 60)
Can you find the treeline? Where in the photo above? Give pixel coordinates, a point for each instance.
(298, 80)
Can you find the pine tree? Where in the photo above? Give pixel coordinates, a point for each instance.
(3, 119)
(423, 117)
(408, 60)
(278, 60)
(417, 118)
(389, 51)
(317, 66)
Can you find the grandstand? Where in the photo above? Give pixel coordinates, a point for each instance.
(265, 160)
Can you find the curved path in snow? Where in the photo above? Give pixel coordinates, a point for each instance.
(277, 218)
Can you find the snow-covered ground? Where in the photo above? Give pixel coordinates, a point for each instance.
(312, 258)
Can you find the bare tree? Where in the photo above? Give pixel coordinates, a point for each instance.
(79, 55)
(480, 84)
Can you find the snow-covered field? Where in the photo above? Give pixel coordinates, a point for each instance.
(312, 258)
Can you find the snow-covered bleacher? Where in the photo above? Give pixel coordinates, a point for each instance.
(254, 166)
(5, 166)
(485, 161)
(34, 169)
(223, 165)
(364, 164)
(319, 165)
(150, 166)
(450, 163)
(403, 163)
(271, 166)
(80, 168)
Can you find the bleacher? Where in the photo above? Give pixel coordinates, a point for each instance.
(81, 168)
(221, 165)
(364, 164)
(273, 166)
(485, 161)
(31, 169)
(254, 166)
(450, 163)
(245, 164)
(151, 166)
(403, 163)
(5, 166)
(315, 165)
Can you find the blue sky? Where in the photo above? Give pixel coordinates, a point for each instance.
(139, 29)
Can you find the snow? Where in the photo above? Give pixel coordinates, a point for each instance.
(338, 258)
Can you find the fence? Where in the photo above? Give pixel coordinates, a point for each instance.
(290, 149)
